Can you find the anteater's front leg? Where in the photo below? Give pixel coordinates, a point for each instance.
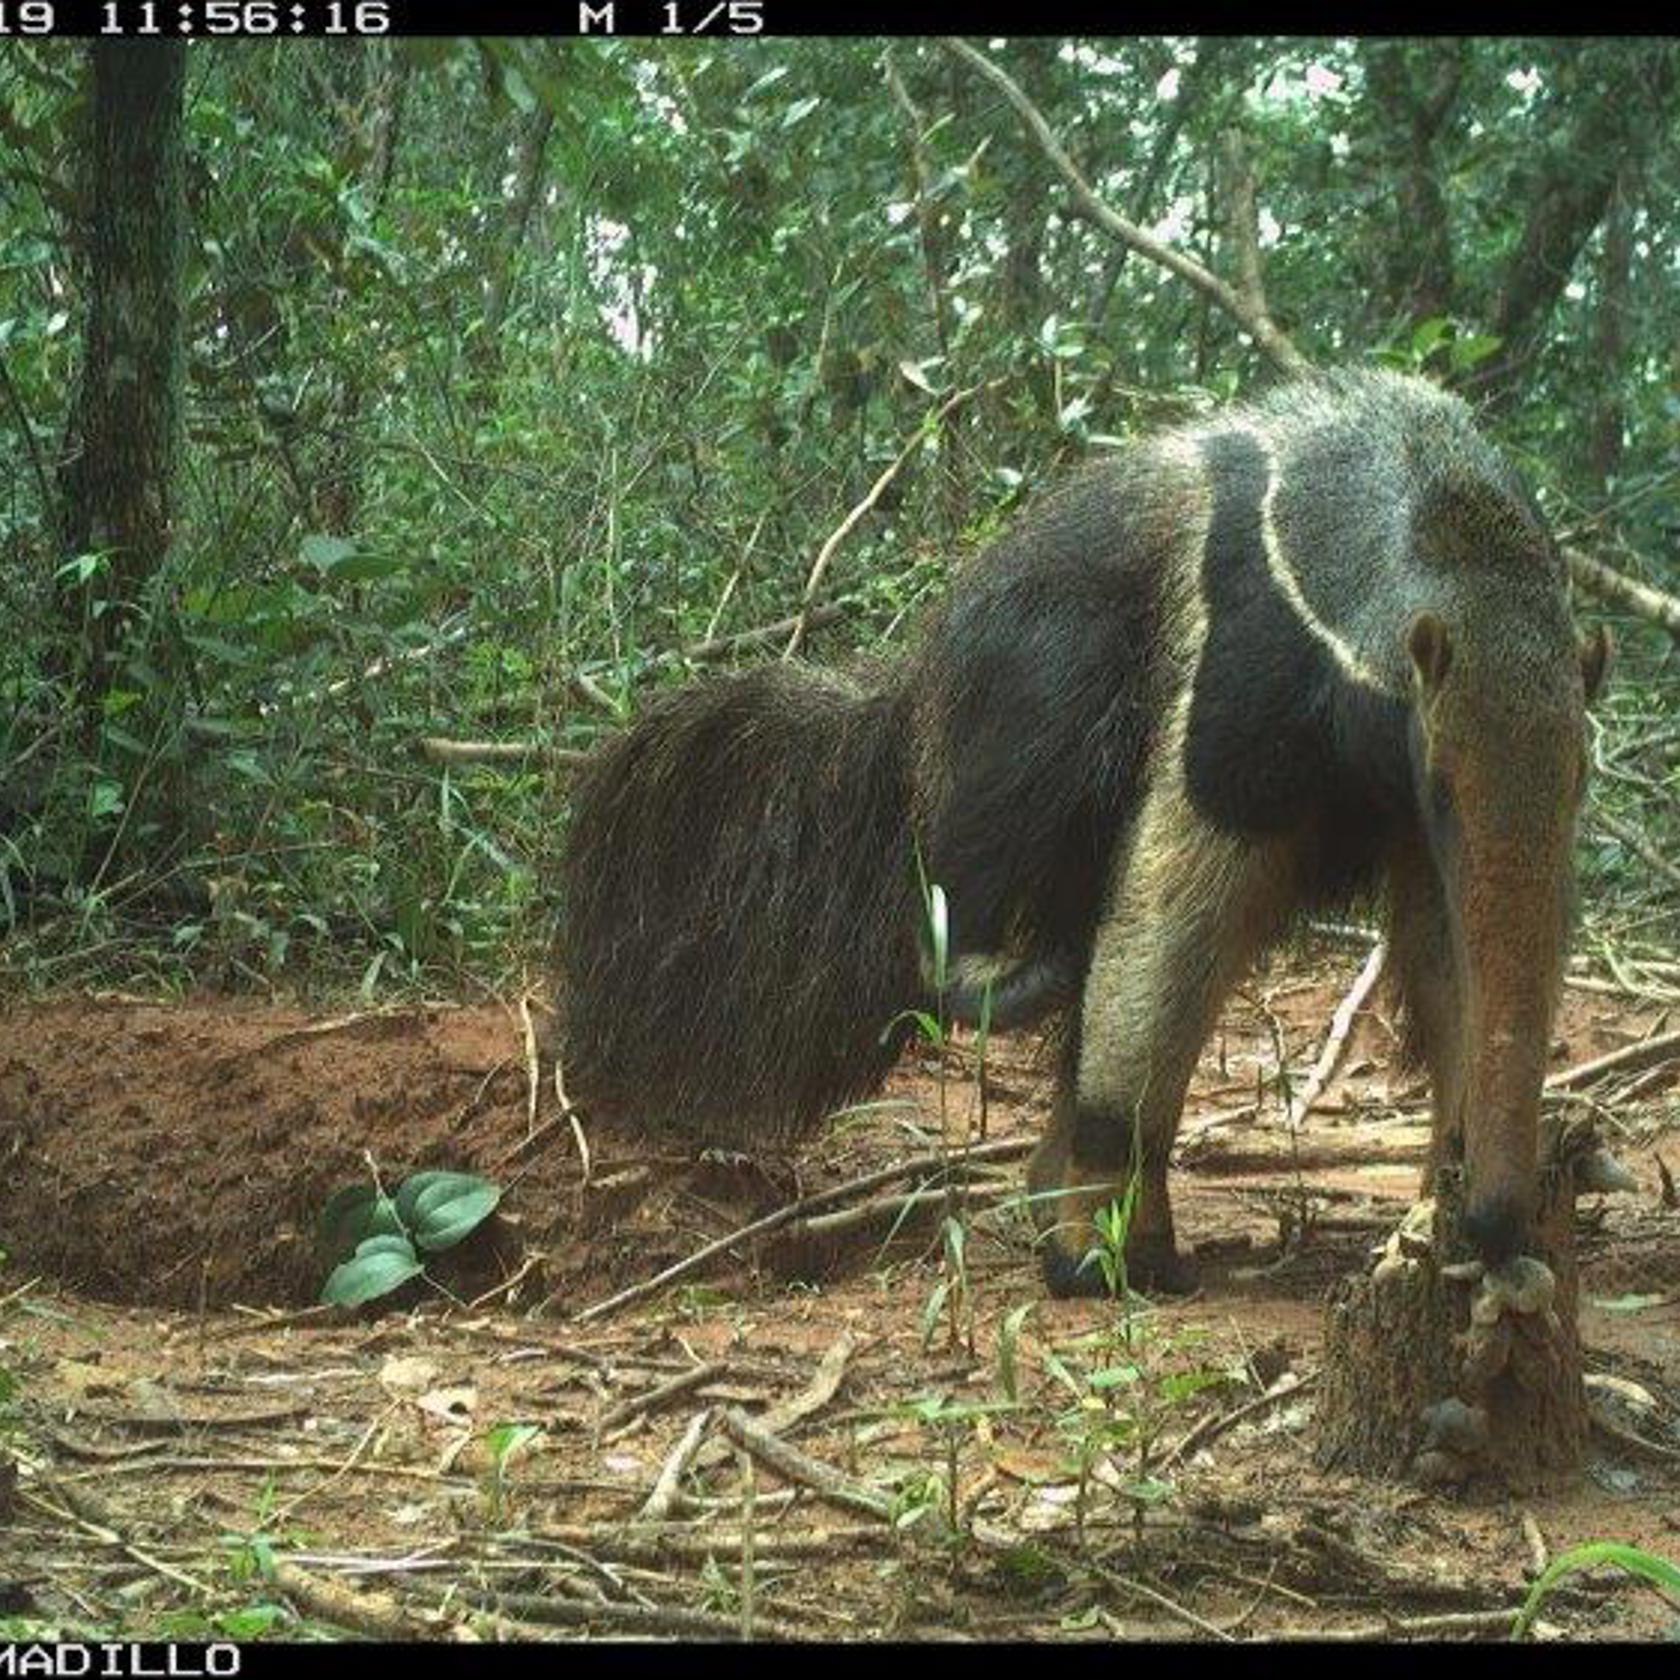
(1189, 910)
(1431, 996)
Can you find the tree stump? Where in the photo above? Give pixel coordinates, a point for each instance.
(1439, 1369)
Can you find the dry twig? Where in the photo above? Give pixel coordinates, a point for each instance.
(828, 1484)
(1341, 1026)
(787, 1414)
(376, 1614)
(1630, 1058)
(1001, 1150)
(658, 1505)
(1212, 1427)
(819, 566)
(683, 1383)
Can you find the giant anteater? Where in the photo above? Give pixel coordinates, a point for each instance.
(1314, 647)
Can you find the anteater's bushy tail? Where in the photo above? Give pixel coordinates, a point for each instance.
(741, 905)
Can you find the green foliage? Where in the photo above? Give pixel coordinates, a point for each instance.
(952, 1297)
(453, 444)
(1440, 347)
(1128, 1379)
(1660, 1572)
(383, 1237)
(505, 1443)
(951, 1423)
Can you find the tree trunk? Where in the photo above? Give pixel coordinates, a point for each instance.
(116, 482)
(1604, 444)
(1420, 270)
(1435, 1371)
(1577, 175)
(528, 180)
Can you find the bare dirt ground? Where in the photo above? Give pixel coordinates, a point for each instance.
(187, 1447)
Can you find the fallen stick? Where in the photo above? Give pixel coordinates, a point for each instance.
(687, 1542)
(682, 1383)
(786, 1414)
(1605, 1424)
(441, 750)
(866, 1213)
(1637, 844)
(1403, 1580)
(1471, 1624)
(376, 1614)
(1002, 1149)
(1151, 1595)
(533, 1065)
(1341, 1026)
(1630, 1058)
(1617, 587)
(656, 1620)
(827, 1483)
(92, 1516)
(720, 647)
(658, 1504)
(1212, 1427)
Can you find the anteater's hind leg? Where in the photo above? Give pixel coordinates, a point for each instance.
(1190, 909)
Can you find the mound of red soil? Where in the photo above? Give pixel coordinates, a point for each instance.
(175, 1154)
(179, 1154)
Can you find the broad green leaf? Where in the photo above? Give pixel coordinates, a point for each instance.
(924, 1023)
(508, 1438)
(251, 1623)
(353, 1214)
(1180, 1385)
(1009, 1341)
(365, 568)
(82, 567)
(1151, 1490)
(939, 932)
(1114, 1376)
(1428, 334)
(1472, 348)
(767, 80)
(380, 1265)
(105, 799)
(441, 1208)
(913, 371)
(934, 1306)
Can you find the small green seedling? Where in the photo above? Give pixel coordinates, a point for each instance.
(1662, 1575)
(383, 1237)
(1123, 1390)
(506, 1441)
(950, 1422)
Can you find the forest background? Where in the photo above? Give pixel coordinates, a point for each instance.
(383, 421)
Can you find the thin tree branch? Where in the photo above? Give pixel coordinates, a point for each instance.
(1271, 340)
(826, 553)
(1335, 1043)
(1622, 591)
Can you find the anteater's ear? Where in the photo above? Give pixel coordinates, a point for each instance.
(1596, 648)
(1430, 646)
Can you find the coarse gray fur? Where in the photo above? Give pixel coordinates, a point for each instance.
(1315, 647)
